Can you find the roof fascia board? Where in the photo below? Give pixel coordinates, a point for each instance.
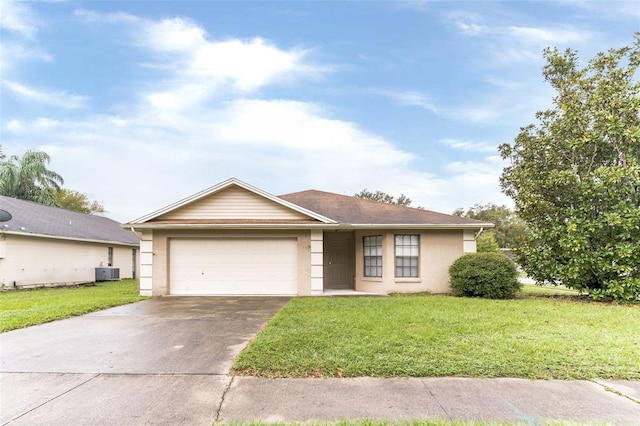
(302, 226)
(56, 237)
(223, 185)
(230, 226)
(421, 226)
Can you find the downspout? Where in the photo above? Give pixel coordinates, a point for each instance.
(476, 235)
(135, 233)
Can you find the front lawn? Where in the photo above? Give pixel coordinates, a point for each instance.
(23, 308)
(541, 290)
(423, 335)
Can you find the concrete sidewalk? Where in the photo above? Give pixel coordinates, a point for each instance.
(492, 400)
(203, 399)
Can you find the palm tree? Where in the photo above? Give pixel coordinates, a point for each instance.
(28, 178)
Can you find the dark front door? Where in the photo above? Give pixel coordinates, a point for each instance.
(339, 260)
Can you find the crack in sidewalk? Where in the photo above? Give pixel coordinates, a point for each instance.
(436, 399)
(224, 394)
(615, 391)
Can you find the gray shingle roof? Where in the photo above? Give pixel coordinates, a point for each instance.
(44, 220)
(354, 210)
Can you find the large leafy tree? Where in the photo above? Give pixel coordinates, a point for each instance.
(28, 178)
(78, 201)
(575, 176)
(509, 229)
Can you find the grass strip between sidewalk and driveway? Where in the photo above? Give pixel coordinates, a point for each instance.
(24, 308)
(534, 337)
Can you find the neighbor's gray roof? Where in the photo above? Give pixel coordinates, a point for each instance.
(354, 210)
(44, 220)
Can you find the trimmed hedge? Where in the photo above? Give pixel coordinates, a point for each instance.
(488, 275)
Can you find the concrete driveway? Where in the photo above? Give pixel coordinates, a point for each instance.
(160, 361)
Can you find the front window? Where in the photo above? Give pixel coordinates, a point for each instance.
(372, 248)
(407, 255)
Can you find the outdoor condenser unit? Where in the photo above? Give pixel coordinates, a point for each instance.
(107, 274)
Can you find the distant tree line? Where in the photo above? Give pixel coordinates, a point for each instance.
(509, 228)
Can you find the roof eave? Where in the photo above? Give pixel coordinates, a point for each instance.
(422, 225)
(170, 226)
(57, 237)
(141, 226)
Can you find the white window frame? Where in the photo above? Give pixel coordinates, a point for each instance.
(407, 255)
(372, 256)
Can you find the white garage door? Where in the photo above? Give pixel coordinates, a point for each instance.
(258, 266)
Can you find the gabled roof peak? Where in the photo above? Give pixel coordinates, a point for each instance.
(222, 186)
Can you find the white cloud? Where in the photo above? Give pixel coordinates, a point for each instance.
(12, 53)
(484, 113)
(411, 98)
(470, 146)
(247, 64)
(15, 126)
(469, 23)
(508, 44)
(45, 123)
(17, 18)
(503, 83)
(184, 47)
(477, 180)
(19, 28)
(174, 35)
(473, 24)
(53, 98)
(112, 18)
(547, 36)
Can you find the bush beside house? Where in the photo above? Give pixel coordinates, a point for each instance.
(488, 275)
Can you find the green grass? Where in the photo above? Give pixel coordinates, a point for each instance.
(532, 289)
(24, 308)
(429, 336)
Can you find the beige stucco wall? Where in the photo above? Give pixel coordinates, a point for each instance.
(438, 250)
(30, 261)
(160, 267)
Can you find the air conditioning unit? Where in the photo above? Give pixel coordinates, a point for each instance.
(107, 274)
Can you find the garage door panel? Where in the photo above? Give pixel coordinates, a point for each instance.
(258, 266)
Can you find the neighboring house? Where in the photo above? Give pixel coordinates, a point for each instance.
(235, 239)
(44, 245)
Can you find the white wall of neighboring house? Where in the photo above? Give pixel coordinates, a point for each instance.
(34, 261)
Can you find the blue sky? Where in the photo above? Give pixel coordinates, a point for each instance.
(141, 103)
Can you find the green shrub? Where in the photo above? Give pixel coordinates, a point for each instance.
(488, 275)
